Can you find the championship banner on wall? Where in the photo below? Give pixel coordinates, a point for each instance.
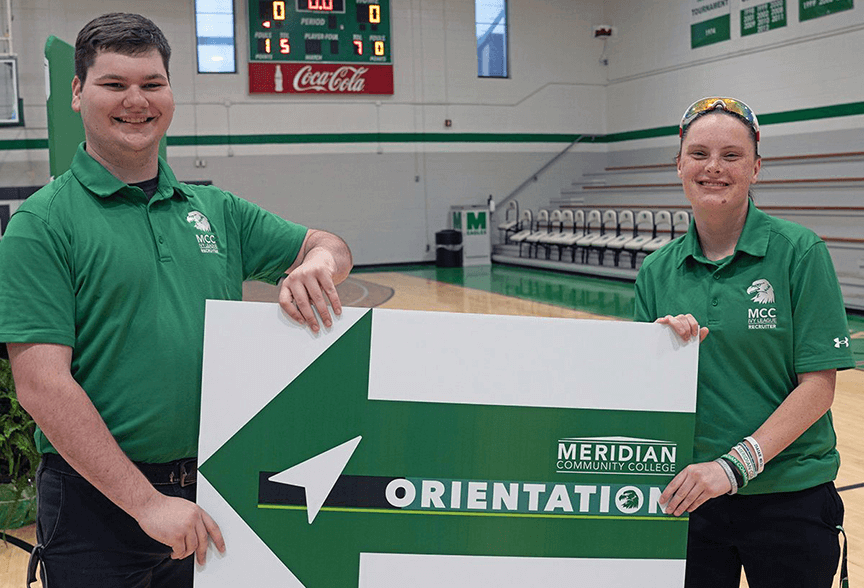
(406, 448)
(760, 17)
(710, 22)
(810, 9)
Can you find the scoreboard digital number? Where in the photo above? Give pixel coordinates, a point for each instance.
(320, 46)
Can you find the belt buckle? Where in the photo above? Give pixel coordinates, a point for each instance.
(188, 476)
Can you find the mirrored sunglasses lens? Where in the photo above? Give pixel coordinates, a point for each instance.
(729, 104)
(738, 108)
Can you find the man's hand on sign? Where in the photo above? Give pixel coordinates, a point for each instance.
(324, 261)
(311, 284)
(181, 525)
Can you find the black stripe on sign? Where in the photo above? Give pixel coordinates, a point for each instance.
(348, 492)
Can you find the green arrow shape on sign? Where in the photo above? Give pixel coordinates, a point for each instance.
(437, 447)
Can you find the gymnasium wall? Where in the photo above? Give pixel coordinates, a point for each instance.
(330, 161)
(383, 171)
(806, 83)
(653, 74)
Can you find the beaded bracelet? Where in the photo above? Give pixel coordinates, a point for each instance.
(760, 457)
(727, 469)
(737, 463)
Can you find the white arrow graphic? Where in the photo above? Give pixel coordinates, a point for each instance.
(317, 475)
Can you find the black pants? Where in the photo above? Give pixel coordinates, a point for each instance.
(783, 540)
(86, 541)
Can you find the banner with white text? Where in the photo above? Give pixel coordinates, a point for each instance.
(810, 9)
(710, 22)
(760, 17)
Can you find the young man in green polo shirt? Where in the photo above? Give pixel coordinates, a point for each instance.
(103, 278)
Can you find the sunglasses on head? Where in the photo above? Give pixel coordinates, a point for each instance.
(728, 104)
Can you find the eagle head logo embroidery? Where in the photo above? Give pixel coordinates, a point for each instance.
(764, 292)
(199, 220)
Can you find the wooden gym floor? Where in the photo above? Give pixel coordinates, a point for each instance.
(518, 291)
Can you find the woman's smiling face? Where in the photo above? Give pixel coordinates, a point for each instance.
(718, 163)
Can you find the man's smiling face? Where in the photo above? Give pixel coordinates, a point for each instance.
(126, 105)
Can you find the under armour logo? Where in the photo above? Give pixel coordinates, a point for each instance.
(838, 342)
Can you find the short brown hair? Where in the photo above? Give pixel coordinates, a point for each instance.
(120, 32)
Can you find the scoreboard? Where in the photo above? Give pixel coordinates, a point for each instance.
(320, 47)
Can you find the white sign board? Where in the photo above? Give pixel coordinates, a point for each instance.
(406, 448)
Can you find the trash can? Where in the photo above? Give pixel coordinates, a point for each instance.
(448, 248)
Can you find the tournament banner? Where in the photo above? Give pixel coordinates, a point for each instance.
(425, 449)
(759, 18)
(709, 22)
(810, 9)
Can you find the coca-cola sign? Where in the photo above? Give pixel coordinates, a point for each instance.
(345, 79)
(320, 78)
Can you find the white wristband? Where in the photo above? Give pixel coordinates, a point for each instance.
(760, 457)
(727, 469)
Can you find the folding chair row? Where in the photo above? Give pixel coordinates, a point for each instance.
(511, 226)
(600, 231)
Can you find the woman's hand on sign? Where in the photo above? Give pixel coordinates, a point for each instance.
(693, 486)
(684, 325)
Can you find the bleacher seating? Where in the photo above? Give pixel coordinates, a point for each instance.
(541, 225)
(525, 227)
(662, 219)
(510, 226)
(593, 232)
(645, 219)
(609, 230)
(626, 233)
(556, 229)
(569, 241)
(538, 238)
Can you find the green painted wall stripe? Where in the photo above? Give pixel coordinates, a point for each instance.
(850, 109)
(378, 137)
(643, 134)
(838, 110)
(10, 144)
(818, 113)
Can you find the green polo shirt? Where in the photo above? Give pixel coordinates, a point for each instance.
(774, 310)
(92, 263)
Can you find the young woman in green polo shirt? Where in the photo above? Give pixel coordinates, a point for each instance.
(762, 297)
